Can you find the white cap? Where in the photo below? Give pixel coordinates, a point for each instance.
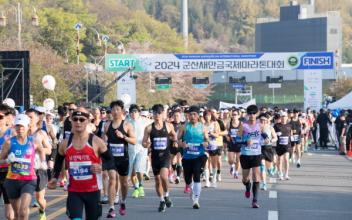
(226, 111)
(9, 102)
(50, 113)
(144, 113)
(283, 113)
(40, 109)
(22, 119)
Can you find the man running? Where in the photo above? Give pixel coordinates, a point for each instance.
(157, 136)
(41, 137)
(118, 134)
(176, 157)
(81, 152)
(234, 148)
(137, 154)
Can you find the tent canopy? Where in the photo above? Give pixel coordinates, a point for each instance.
(343, 103)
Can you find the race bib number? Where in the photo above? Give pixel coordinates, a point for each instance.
(295, 138)
(160, 143)
(81, 170)
(212, 144)
(283, 140)
(254, 146)
(193, 149)
(233, 133)
(117, 150)
(67, 134)
(21, 166)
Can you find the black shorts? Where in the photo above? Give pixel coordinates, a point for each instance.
(192, 168)
(216, 152)
(121, 165)
(90, 201)
(268, 153)
(248, 162)
(159, 163)
(294, 143)
(236, 148)
(282, 149)
(53, 154)
(175, 150)
(2, 188)
(15, 188)
(42, 180)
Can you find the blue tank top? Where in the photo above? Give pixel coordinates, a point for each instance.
(253, 133)
(194, 137)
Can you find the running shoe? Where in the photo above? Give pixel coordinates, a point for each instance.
(255, 204)
(177, 180)
(263, 186)
(287, 177)
(232, 171)
(187, 189)
(35, 202)
(218, 177)
(162, 206)
(42, 215)
(146, 177)
(236, 175)
(168, 202)
(135, 193)
(171, 179)
(298, 165)
(122, 209)
(213, 184)
(196, 205)
(207, 184)
(141, 191)
(104, 200)
(111, 213)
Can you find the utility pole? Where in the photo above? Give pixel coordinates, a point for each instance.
(185, 23)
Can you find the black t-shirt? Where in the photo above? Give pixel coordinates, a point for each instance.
(283, 132)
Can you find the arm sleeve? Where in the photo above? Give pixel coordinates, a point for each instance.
(59, 159)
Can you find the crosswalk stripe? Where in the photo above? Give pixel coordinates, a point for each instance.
(273, 215)
(272, 194)
(56, 213)
(51, 202)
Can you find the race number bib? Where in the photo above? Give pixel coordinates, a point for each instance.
(21, 166)
(117, 150)
(160, 143)
(193, 149)
(212, 144)
(81, 170)
(295, 138)
(283, 140)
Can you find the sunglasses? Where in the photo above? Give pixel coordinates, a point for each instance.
(235, 114)
(71, 109)
(251, 113)
(134, 111)
(80, 119)
(2, 117)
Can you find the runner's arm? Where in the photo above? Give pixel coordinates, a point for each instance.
(146, 141)
(131, 137)
(46, 144)
(4, 152)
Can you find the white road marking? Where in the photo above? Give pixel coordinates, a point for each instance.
(309, 154)
(272, 195)
(273, 215)
(272, 180)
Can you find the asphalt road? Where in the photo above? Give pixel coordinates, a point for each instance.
(320, 189)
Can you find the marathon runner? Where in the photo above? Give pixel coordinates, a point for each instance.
(234, 148)
(137, 154)
(176, 157)
(5, 134)
(296, 138)
(21, 179)
(193, 138)
(249, 134)
(118, 134)
(41, 137)
(158, 136)
(82, 152)
(284, 132)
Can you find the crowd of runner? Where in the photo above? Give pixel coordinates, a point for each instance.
(95, 153)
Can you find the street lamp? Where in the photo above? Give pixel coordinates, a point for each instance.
(18, 10)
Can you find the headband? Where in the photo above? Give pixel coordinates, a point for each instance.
(78, 113)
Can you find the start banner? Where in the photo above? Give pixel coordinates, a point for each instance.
(219, 62)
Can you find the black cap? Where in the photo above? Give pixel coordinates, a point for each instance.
(194, 108)
(158, 108)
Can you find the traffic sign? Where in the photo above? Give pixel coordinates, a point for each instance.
(238, 86)
(78, 26)
(163, 86)
(274, 85)
(200, 86)
(105, 38)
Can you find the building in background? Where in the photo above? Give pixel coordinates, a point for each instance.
(299, 28)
